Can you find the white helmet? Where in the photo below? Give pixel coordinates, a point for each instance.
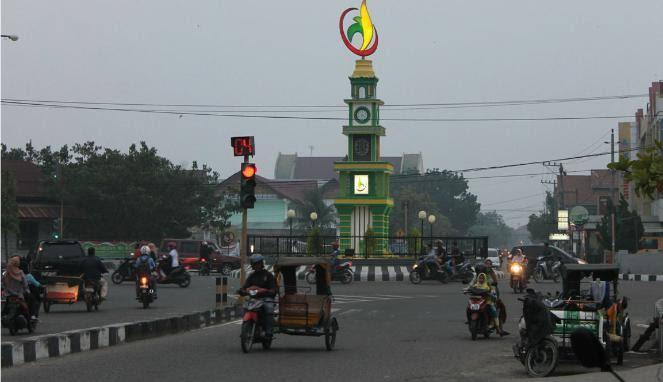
(145, 250)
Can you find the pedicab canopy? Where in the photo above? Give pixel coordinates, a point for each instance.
(572, 274)
(285, 268)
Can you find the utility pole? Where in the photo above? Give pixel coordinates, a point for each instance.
(614, 201)
(405, 206)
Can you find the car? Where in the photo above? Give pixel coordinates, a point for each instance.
(534, 251)
(189, 255)
(56, 258)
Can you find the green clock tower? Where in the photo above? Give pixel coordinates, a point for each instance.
(363, 199)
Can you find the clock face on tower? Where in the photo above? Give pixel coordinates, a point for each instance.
(361, 147)
(362, 115)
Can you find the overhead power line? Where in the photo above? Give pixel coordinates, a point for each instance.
(438, 104)
(307, 118)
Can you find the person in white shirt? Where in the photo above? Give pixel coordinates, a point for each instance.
(174, 258)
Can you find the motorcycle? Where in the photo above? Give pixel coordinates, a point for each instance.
(91, 295)
(124, 272)
(543, 272)
(252, 326)
(343, 273)
(145, 291)
(421, 271)
(204, 267)
(478, 315)
(463, 272)
(537, 349)
(14, 317)
(517, 280)
(178, 276)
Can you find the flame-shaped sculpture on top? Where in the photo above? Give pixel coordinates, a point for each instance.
(362, 25)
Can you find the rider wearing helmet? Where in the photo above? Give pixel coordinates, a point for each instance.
(145, 265)
(174, 257)
(264, 283)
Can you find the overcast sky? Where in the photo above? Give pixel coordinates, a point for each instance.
(290, 53)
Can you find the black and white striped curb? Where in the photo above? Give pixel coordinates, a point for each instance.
(640, 277)
(75, 341)
(364, 272)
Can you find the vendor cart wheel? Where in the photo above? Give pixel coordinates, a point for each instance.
(117, 278)
(47, 306)
(247, 336)
(542, 358)
(330, 334)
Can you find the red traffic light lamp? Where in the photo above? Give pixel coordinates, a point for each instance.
(249, 170)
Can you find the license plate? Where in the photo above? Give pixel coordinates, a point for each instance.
(475, 306)
(48, 273)
(143, 287)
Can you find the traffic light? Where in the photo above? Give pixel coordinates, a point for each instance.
(55, 229)
(247, 193)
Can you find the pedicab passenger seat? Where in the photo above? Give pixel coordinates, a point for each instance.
(301, 310)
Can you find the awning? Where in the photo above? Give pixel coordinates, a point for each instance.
(38, 212)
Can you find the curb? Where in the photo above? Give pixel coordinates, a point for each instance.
(640, 277)
(77, 341)
(368, 273)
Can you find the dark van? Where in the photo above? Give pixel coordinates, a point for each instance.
(57, 258)
(534, 251)
(188, 251)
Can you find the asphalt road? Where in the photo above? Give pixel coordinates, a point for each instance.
(122, 306)
(388, 332)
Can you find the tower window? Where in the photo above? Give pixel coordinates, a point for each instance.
(362, 92)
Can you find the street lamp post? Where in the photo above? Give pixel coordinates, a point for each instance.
(291, 215)
(314, 217)
(422, 217)
(431, 221)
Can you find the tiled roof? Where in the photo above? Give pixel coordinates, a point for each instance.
(30, 181)
(323, 167)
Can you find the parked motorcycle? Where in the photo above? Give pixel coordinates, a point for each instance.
(124, 272)
(537, 350)
(14, 317)
(178, 276)
(517, 279)
(145, 291)
(92, 295)
(204, 267)
(252, 326)
(420, 271)
(343, 273)
(478, 315)
(542, 270)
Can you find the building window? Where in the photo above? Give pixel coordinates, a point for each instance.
(362, 92)
(28, 235)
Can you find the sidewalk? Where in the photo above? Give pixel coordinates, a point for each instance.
(652, 373)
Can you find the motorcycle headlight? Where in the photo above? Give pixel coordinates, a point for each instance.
(415, 266)
(516, 268)
(143, 280)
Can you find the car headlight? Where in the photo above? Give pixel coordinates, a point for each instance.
(580, 261)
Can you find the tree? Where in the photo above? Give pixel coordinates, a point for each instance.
(443, 192)
(126, 196)
(313, 201)
(628, 227)
(492, 224)
(416, 201)
(9, 208)
(646, 171)
(542, 225)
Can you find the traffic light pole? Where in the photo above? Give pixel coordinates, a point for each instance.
(244, 245)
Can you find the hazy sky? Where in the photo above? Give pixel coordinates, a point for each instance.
(290, 53)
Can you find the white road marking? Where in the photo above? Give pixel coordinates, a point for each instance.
(237, 322)
(348, 312)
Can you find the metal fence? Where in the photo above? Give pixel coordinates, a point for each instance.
(363, 246)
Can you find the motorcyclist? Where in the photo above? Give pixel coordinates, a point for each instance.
(548, 257)
(431, 261)
(264, 283)
(457, 257)
(145, 265)
(92, 269)
(205, 251)
(32, 299)
(482, 284)
(335, 254)
(174, 259)
(519, 257)
(15, 284)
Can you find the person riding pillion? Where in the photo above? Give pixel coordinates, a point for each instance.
(262, 281)
(482, 284)
(145, 265)
(92, 268)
